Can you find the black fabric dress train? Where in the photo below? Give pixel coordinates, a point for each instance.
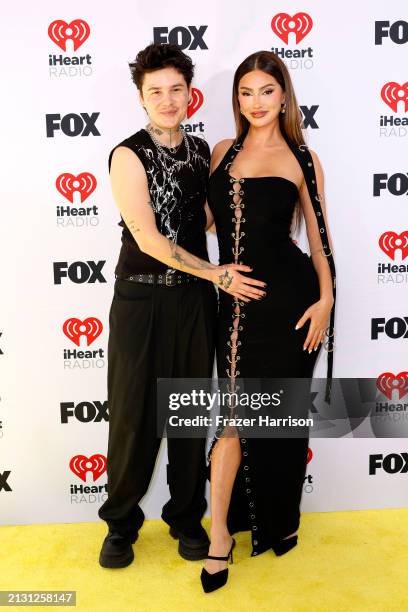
(258, 339)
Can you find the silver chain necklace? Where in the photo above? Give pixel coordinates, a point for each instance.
(169, 147)
(162, 150)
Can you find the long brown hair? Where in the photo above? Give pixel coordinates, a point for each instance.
(290, 121)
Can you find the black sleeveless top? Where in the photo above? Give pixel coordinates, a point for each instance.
(177, 194)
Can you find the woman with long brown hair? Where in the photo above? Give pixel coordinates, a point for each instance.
(261, 182)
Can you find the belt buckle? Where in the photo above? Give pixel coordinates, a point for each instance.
(169, 278)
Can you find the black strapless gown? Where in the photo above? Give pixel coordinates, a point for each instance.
(258, 340)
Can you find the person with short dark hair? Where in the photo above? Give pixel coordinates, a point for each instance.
(163, 313)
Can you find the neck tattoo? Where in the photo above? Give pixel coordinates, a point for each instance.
(172, 149)
(155, 131)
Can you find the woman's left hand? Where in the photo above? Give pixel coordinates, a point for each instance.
(319, 314)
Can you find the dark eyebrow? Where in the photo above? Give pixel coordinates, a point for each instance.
(158, 87)
(263, 87)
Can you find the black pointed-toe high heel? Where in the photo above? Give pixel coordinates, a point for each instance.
(212, 582)
(281, 547)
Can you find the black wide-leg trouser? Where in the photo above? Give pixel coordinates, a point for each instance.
(155, 332)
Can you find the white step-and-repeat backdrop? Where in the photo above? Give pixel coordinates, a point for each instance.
(67, 100)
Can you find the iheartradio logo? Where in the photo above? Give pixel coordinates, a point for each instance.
(197, 100)
(309, 455)
(81, 465)
(91, 328)
(60, 31)
(392, 93)
(283, 24)
(387, 382)
(84, 183)
(390, 242)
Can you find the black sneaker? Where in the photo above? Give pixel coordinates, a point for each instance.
(193, 542)
(116, 550)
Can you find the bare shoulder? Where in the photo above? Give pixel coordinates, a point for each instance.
(319, 176)
(222, 146)
(124, 159)
(219, 151)
(316, 161)
(125, 154)
(127, 173)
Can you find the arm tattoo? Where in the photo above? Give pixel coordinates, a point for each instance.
(190, 261)
(132, 227)
(225, 280)
(175, 254)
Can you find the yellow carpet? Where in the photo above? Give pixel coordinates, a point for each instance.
(345, 561)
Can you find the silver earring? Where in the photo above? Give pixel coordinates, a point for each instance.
(283, 108)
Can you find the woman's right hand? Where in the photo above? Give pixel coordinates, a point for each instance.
(229, 279)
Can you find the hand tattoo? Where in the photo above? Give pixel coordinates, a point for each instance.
(225, 280)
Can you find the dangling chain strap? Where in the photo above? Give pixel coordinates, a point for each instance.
(304, 157)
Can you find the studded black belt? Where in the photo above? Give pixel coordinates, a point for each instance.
(169, 278)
